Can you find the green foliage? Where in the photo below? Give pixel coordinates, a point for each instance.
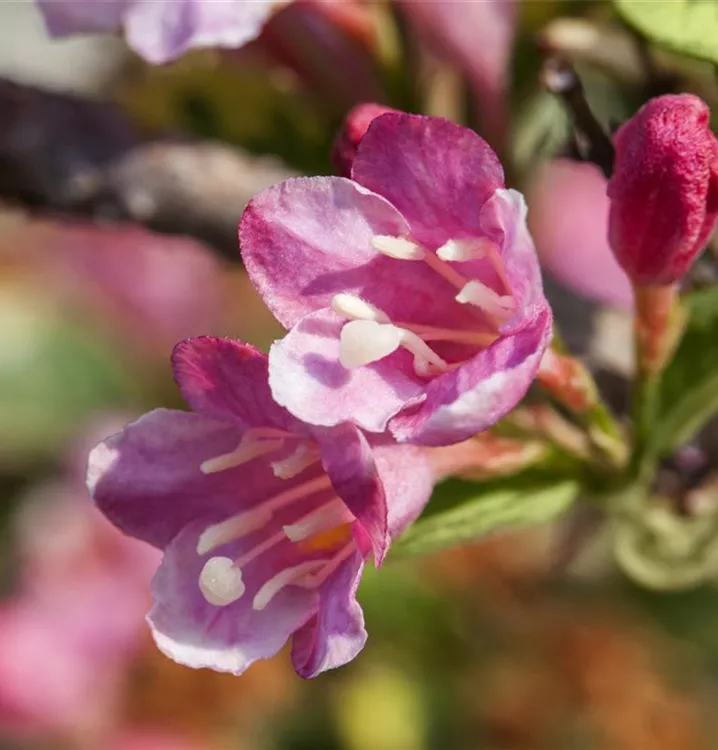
(53, 376)
(686, 26)
(518, 501)
(689, 389)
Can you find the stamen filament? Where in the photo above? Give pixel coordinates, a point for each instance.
(445, 270)
(275, 584)
(430, 333)
(327, 516)
(313, 581)
(242, 524)
(248, 449)
(272, 541)
(303, 457)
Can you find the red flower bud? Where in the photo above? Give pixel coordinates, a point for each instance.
(355, 125)
(664, 189)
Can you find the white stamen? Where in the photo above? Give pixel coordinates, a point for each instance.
(249, 448)
(275, 584)
(365, 341)
(244, 523)
(318, 578)
(303, 457)
(470, 248)
(397, 247)
(326, 517)
(478, 294)
(221, 581)
(355, 308)
(426, 360)
(233, 528)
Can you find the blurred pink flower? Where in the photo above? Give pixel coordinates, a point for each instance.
(478, 37)
(76, 616)
(152, 739)
(152, 288)
(162, 30)
(569, 223)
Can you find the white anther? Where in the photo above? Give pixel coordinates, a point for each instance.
(249, 448)
(364, 341)
(221, 581)
(397, 247)
(470, 248)
(478, 294)
(233, 528)
(303, 457)
(326, 517)
(275, 584)
(355, 308)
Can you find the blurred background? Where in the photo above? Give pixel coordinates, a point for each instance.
(120, 189)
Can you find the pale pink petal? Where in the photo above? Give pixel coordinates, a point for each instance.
(306, 377)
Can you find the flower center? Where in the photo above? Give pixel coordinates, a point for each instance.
(370, 334)
(324, 530)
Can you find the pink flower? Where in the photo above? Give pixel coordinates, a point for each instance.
(265, 522)
(569, 222)
(77, 616)
(412, 291)
(664, 189)
(161, 31)
(356, 123)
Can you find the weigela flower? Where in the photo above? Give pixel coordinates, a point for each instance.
(664, 189)
(162, 31)
(265, 522)
(412, 290)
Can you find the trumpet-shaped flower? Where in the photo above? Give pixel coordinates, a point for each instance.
(265, 522)
(412, 290)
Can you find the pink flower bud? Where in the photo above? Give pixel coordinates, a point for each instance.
(356, 123)
(664, 189)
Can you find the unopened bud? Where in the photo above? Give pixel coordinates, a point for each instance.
(664, 189)
(355, 125)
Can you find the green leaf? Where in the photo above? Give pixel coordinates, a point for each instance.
(689, 388)
(686, 26)
(492, 507)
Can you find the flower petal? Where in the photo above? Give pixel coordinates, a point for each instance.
(227, 380)
(307, 379)
(64, 17)
(336, 635)
(408, 480)
(436, 173)
(479, 393)
(162, 31)
(147, 478)
(503, 219)
(308, 238)
(228, 639)
(348, 459)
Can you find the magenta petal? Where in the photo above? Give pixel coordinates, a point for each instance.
(478, 394)
(336, 635)
(408, 482)
(307, 239)
(436, 173)
(348, 460)
(228, 639)
(227, 380)
(306, 377)
(147, 478)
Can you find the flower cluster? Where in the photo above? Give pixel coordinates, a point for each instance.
(416, 317)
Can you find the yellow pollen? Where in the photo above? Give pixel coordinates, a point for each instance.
(327, 540)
